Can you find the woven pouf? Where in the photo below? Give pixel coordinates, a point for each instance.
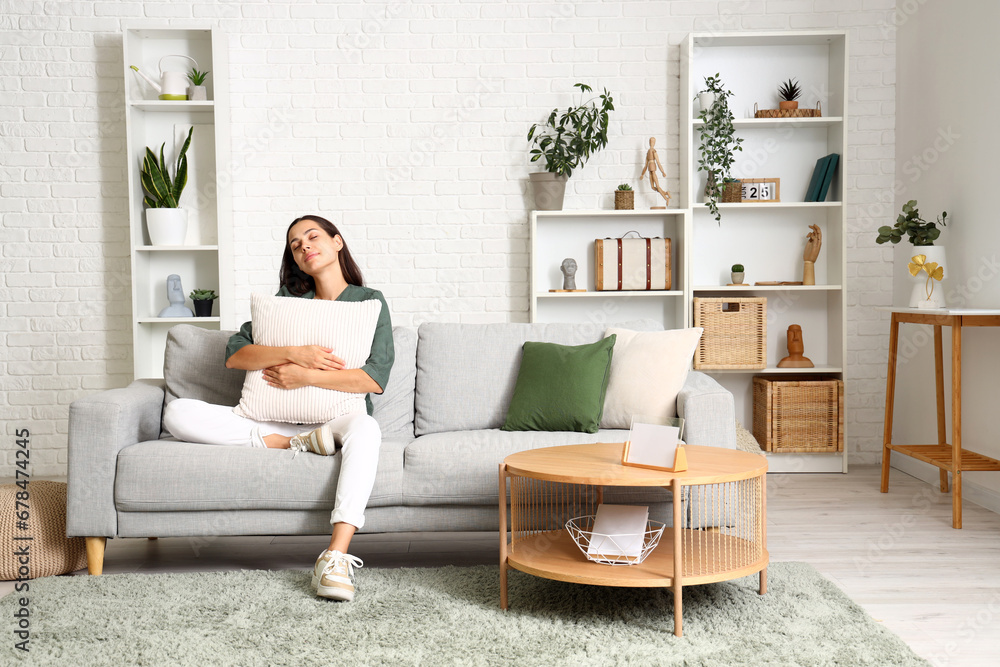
(50, 552)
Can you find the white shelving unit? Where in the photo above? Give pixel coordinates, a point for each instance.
(205, 260)
(557, 235)
(769, 238)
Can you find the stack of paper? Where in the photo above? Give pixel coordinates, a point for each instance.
(627, 525)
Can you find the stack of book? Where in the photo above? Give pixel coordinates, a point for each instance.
(822, 176)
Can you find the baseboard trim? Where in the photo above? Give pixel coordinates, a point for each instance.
(971, 491)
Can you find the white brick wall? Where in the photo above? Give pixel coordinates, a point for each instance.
(404, 123)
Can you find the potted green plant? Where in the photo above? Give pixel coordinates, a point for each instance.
(624, 198)
(921, 234)
(203, 300)
(788, 95)
(718, 142)
(197, 90)
(737, 274)
(566, 140)
(165, 221)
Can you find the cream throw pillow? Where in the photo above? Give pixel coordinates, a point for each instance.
(347, 327)
(648, 370)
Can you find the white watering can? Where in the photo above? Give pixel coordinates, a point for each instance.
(173, 85)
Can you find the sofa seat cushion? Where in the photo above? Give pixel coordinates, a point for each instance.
(461, 467)
(167, 475)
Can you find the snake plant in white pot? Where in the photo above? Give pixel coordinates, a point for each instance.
(166, 222)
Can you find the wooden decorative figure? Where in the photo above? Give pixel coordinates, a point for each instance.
(795, 350)
(814, 243)
(652, 164)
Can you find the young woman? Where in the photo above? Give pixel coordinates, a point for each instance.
(316, 265)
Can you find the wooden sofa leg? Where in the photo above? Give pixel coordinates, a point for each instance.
(95, 554)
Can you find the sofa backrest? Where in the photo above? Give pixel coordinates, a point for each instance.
(194, 366)
(466, 372)
(393, 408)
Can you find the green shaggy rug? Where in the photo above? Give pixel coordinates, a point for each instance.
(440, 616)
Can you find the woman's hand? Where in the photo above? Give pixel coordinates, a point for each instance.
(315, 357)
(287, 376)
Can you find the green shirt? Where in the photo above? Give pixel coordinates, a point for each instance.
(382, 355)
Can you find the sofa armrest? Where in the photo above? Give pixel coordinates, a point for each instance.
(709, 412)
(100, 426)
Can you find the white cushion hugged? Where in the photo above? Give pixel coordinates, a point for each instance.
(648, 370)
(346, 327)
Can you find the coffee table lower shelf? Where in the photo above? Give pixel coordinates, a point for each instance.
(554, 555)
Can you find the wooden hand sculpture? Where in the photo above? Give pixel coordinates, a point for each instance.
(814, 243)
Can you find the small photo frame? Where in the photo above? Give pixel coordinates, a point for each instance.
(655, 443)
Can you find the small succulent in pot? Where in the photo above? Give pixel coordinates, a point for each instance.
(197, 91)
(203, 300)
(737, 274)
(789, 93)
(624, 198)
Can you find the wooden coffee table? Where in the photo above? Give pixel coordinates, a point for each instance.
(722, 517)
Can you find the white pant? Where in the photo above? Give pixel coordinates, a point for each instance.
(358, 437)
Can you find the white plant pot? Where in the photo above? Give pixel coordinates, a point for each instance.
(706, 100)
(197, 93)
(918, 294)
(166, 226)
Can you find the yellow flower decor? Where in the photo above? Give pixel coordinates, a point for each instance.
(934, 272)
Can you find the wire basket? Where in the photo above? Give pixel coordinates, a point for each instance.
(580, 529)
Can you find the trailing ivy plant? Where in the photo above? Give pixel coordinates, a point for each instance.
(718, 142)
(920, 232)
(568, 139)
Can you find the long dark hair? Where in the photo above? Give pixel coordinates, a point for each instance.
(299, 282)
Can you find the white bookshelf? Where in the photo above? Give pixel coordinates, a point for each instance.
(769, 238)
(205, 259)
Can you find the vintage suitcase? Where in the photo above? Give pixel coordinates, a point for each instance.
(632, 263)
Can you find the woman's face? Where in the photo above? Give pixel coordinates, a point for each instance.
(312, 248)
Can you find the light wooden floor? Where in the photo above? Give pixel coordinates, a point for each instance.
(895, 554)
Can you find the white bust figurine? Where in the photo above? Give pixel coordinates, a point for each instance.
(175, 295)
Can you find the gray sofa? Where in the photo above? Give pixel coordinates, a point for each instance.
(440, 417)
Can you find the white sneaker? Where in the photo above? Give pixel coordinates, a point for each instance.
(318, 441)
(320, 565)
(337, 580)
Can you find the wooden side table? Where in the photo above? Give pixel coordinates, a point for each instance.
(719, 530)
(948, 458)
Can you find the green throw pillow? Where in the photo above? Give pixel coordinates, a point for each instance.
(561, 387)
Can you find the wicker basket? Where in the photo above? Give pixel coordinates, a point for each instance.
(624, 200)
(788, 113)
(798, 415)
(735, 334)
(52, 552)
(732, 193)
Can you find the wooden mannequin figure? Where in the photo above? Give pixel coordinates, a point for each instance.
(813, 245)
(652, 163)
(795, 350)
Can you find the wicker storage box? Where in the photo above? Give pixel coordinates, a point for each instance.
(798, 415)
(735, 333)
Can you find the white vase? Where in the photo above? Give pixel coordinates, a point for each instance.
(166, 226)
(706, 100)
(918, 294)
